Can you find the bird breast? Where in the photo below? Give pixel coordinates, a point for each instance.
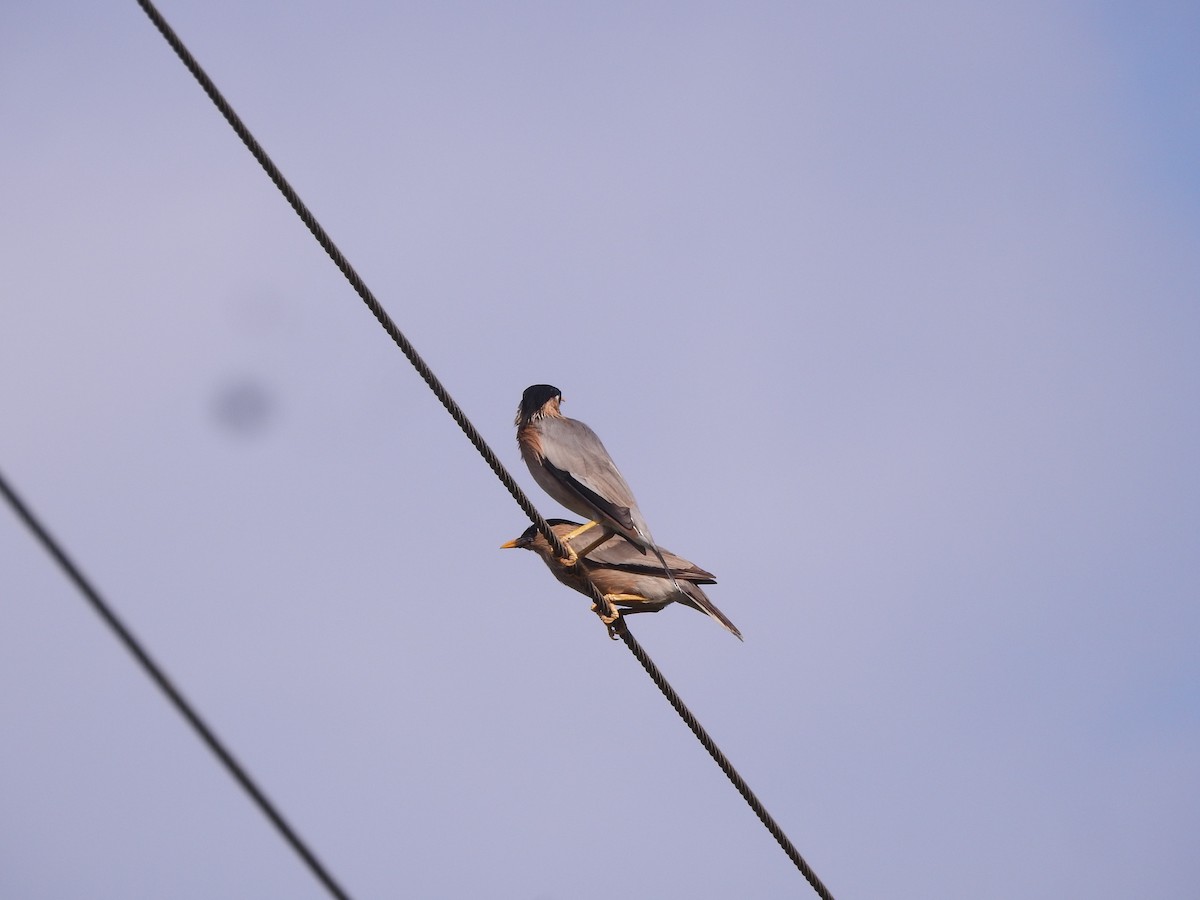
(530, 442)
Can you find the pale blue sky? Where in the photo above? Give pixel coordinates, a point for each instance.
(888, 315)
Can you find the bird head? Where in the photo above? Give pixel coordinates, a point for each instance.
(574, 577)
(532, 539)
(538, 400)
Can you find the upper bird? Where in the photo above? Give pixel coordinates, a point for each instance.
(623, 573)
(570, 464)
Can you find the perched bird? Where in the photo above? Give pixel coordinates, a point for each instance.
(570, 464)
(623, 573)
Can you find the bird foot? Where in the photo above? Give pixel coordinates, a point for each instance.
(627, 598)
(609, 616)
(606, 617)
(571, 535)
(605, 535)
(572, 557)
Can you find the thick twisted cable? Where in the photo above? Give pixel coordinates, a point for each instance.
(360, 287)
(181, 704)
(777, 832)
(355, 280)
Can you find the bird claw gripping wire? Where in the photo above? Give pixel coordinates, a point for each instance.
(609, 619)
(573, 555)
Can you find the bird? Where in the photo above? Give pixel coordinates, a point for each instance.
(622, 572)
(568, 461)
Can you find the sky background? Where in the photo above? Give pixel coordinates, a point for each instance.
(889, 314)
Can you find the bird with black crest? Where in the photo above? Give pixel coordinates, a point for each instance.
(568, 461)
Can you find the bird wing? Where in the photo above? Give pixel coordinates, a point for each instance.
(620, 553)
(574, 455)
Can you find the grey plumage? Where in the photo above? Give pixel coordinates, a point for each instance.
(569, 462)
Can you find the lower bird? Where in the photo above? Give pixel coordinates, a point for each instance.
(623, 573)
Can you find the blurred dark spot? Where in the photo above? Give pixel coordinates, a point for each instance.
(244, 407)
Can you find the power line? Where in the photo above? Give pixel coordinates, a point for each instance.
(620, 628)
(356, 282)
(721, 760)
(160, 678)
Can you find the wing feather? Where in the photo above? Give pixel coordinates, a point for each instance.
(579, 460)
(620, 553)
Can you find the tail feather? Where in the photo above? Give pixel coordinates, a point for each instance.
(699, 600)
(692, 596)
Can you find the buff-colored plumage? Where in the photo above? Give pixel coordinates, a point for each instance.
(623, 573)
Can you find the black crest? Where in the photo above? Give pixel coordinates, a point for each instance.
(536, 396)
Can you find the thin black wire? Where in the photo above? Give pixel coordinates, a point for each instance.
(619, 628)
(160, 678)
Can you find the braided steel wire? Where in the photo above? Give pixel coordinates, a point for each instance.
(619, 627)
(777, 832)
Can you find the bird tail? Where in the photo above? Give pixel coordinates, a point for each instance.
(699, 600)
(648, 542)
(692, 596)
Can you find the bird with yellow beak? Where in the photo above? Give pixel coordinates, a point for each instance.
(622, 572)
